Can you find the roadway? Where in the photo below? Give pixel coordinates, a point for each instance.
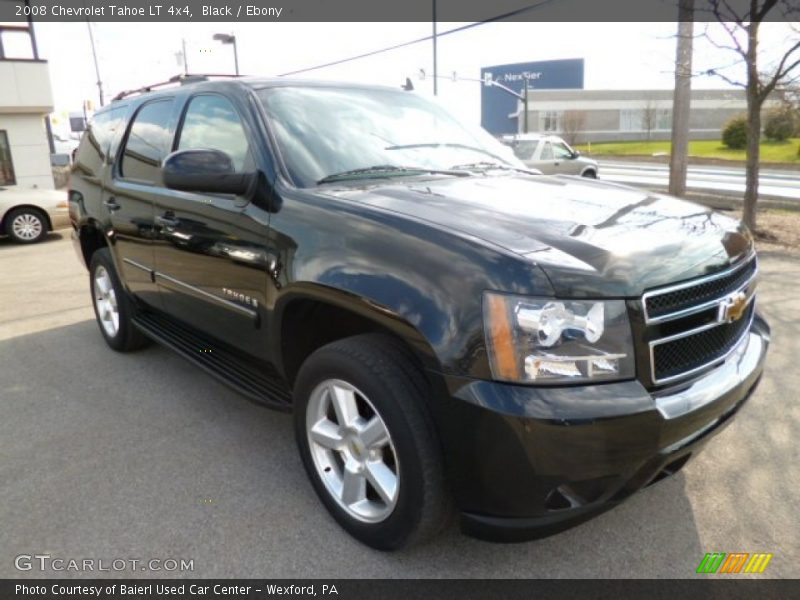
(773, 183)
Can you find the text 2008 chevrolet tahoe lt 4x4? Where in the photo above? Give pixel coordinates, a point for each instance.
(452, 331)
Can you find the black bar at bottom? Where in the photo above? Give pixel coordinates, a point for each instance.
(727, 587)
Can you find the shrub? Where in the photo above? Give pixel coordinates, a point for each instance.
(779, 125)
(734, 135)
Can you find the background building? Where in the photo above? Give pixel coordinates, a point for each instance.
(582, 116)
(25, 101)
(499, 110)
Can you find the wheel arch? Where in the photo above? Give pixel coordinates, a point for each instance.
(589, 169)
(91, 238)
(33, 207)
(315, 315)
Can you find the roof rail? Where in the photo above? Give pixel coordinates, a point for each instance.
(181, 79)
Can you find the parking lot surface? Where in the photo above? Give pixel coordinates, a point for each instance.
(111, 456)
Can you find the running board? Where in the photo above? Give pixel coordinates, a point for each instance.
(257, 382)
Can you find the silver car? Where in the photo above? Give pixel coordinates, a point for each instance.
(551, 155)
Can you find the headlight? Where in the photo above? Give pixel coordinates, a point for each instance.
(557, 341)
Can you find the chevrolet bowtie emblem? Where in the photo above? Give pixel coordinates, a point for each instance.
(733, 307)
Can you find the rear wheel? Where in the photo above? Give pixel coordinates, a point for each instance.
(368, 443)
(26, 225)
(113, 308)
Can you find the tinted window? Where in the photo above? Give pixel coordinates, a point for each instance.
(6, 166)
(211, 122)
(97, 140)
(148, 142)
(547, 152)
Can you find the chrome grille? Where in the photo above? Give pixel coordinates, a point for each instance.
(688, 296)
(691, 327)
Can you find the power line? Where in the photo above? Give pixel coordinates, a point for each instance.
(422, 39)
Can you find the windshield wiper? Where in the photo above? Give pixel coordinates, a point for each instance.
(386, 171)
(486, 165)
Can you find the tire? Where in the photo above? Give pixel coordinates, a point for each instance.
(375, 376)
(591, 174)
(26, 225)
(108, 298)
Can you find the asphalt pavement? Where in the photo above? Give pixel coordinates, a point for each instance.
(781, 184)
(107, 456)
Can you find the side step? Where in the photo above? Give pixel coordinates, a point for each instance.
(257, 382)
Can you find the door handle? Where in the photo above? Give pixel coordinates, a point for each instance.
(168, 220)
(111, 204)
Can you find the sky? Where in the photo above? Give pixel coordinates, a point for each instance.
(617, 55)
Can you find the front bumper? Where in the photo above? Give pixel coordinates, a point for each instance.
(526, 462)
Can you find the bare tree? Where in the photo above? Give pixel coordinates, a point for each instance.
(681, 100)
(649, 117)
(573, 123)
(742, 28)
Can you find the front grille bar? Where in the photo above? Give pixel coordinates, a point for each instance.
(652, 320)
(683, 374)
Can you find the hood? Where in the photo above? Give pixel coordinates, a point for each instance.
(591, 238)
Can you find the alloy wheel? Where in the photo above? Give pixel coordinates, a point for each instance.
(27, 226)
(352, 451)
(105, 301)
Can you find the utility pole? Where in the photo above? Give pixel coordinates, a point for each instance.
(525, 105)
(435, 65)
(681, 102)
(96, 66)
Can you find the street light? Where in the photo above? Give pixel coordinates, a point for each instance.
(489, 82)
(229, 38)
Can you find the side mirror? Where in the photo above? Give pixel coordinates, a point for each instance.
(209, 171)
(576, 153)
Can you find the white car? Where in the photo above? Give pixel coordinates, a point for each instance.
(551, 155)
(27, 214)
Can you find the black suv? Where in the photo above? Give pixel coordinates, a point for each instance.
(452, 331)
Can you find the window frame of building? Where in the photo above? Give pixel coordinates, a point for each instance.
(7, 174)
(550, 121)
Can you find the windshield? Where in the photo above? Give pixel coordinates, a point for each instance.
(325, 131)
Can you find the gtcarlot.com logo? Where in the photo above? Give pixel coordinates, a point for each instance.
(734, 562)
(46, 562)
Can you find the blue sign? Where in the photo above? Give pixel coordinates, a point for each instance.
(497, 104)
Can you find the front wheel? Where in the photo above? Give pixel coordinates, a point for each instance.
(368, 443)
(113, 308)
(590, 173)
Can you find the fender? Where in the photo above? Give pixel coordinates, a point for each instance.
(415, 278)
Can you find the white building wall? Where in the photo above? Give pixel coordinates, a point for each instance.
(30, 152)
(25, 99)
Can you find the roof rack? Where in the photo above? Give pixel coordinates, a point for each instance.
(181, 79)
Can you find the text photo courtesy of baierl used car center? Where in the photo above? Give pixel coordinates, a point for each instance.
(318, 299)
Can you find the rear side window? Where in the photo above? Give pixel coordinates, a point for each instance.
(148, 143)
(212, 123)
(96, 141)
